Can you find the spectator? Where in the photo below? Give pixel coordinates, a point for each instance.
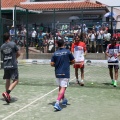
(12, 33)
(92, 37)
(107, 37)
(33, 38)
(100, 35)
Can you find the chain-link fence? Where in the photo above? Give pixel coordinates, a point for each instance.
(39, 30)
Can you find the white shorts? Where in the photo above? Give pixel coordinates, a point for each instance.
(63, 82)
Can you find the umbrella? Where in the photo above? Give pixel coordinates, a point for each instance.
(74, 18)
(109, 14)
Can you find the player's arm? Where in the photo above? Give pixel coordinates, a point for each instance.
(85, 50)
(17, 54)
(107, 52)
(52, 64)
(72, 62)
(118, 55)
(72, 48)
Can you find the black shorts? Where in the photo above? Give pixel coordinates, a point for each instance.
(116, 65)
(11, 74)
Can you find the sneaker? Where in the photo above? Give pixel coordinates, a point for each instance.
(97, 52)
(6, 97)
(115, 84)
(102, 52)
(64, 102)
(77, 82)
(81, 83)
(57, 107)
(112, 83)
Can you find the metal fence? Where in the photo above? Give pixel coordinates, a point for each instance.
(65, 22)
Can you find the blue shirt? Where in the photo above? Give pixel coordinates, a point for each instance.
(62, 58)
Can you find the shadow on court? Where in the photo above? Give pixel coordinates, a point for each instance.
(62, 106)
(13, 99)
(95, 85)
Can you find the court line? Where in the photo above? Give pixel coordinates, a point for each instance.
(34, 101)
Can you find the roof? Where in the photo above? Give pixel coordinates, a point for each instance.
(59, 5)
(10, 3)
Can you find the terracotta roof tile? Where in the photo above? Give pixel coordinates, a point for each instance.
(51, 5)
(10, 3)
(60, 6)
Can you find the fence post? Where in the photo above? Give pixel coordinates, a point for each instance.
(54, 29)
(1, 32)
(111, 16)
(27, 54)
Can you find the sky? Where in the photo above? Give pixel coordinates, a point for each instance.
(110, 2)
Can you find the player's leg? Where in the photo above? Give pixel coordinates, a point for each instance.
(82, 76)
(76, 75)
(7, 77)
(13, 84)
(111, 73)
(63, 82)
(116, 67)
(14, 76)
(7, 85)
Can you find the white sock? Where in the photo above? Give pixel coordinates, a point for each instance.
(82, 81)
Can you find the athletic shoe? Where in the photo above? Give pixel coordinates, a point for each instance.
(77, 82)
(112, 83)
(57, 107)
(81, 83)
(6, 97)
(64, 102)
(115, 84)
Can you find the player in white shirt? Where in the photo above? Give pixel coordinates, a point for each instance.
(113, 52)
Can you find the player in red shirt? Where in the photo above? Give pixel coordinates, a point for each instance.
(79, 51)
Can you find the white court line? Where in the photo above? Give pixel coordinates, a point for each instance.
(33, 102)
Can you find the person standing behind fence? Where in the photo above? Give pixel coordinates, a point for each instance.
(100, 35)
(61, 60)
(10, 54)
(107, 37)
(12, 33)
(92, 37)
(33, 38)
(113, 52)
(79, 51)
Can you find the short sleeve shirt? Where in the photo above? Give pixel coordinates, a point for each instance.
(9, 50)
(62, 58)
(113, 50)
(78, 50)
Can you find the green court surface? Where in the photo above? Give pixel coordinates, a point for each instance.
(34, 96)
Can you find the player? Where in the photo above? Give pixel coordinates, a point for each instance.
(10, 54)
(61, 60)
(79, 51)
(113, 52)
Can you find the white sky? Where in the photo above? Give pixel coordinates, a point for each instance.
(110, 2)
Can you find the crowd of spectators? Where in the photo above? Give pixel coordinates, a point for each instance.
(96, 38)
